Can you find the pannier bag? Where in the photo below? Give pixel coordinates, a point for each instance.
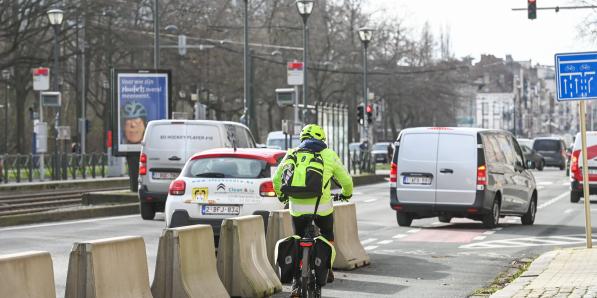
(286, 256)
(324, 255)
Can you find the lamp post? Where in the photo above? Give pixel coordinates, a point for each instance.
(6, 77)
(305, 7)
(55, 17)
(365, 35)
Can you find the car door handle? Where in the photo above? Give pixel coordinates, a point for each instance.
(174, 158)
(446, 171)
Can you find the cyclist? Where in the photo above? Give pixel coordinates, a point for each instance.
(313, 138)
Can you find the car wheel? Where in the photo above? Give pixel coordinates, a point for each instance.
(492, 219)
(541, 165)
(574, 196)
(444, 218)
(404, 220)
(147, 211)
(529, 217)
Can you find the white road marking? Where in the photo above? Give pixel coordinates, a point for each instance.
(540, 187)
(497, 229)
(370, 200)
(566, 184)
(488, 232)
(545, 204)
(568, 210)
(371, 247)
(529, 242)
(400, 236)
(479, 238)
(367, 241)
(385, 242)
(413, 231)
(68, 223)
(545, 183)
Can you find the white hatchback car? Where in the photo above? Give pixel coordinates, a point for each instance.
(222, 183)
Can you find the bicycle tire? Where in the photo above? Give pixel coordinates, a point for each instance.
(305, 274)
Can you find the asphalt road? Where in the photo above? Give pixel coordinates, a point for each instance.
(428, 259)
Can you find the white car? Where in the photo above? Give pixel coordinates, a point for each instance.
(222, 183)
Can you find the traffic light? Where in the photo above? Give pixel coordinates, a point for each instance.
(360, 114)
(369, 113)
(532, 9)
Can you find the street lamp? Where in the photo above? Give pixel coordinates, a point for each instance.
(55, 17)
(305, 7)
(6, 77)
(365, 35)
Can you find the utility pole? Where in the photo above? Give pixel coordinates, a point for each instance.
(156, 33)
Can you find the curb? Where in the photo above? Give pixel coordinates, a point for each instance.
(67, 184)
(537, 267)
(42, 217)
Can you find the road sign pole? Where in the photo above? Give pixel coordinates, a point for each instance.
(42, 168)
(585, 173)
(296, 107)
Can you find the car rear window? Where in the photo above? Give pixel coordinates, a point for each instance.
(228, 167)
(380, 146)
(546, 145)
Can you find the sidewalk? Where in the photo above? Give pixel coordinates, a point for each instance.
(568, 272)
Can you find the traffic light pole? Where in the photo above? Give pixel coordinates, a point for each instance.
(365, 95)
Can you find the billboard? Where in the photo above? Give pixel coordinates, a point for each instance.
(139, 96)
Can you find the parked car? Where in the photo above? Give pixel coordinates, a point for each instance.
(277, 140)
(461, 172)
(553, 150)
(379, 152)
(168, 144)
(222, 183)
(531, 154)
(576, 184)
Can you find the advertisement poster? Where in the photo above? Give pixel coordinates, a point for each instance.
(139, 97)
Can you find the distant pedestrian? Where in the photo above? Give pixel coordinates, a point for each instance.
(390, 152)
(75, 147)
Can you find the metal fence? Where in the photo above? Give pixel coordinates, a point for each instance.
(28, 167)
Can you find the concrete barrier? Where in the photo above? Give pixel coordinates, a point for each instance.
(350, 253)
(186, 264)
(279, 226)
(242, 258)
(113, 267)
(27, 274)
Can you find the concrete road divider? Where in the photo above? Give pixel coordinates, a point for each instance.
(279, 226)
(186, 264)
(113, 267)
(242, 258)
(27, 274)
(350, 253)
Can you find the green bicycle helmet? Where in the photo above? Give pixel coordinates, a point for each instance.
(312, 131)
(134, 109)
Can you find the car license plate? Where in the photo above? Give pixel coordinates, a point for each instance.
(420, 180)
(220, 209)
(164, 175)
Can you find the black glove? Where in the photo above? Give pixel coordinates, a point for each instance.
(342, 198)
(283, 199)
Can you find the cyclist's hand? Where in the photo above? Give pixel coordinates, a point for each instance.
(340, 197)
(283, 200)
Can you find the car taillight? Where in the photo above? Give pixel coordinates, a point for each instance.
(482, 175)
(574, 168)
(143, 164)
(393, 174)
(177, 188)
(266, 189)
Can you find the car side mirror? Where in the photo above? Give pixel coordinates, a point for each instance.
(531, 165)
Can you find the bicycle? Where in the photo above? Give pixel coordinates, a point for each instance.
(309, 287)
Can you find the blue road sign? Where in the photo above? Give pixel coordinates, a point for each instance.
(576, 76)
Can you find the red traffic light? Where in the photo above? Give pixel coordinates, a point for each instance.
(369, 109)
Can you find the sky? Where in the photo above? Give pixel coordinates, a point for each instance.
(490, 26)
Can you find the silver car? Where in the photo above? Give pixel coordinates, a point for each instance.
(461, 172)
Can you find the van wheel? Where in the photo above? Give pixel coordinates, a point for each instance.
(404, 220)
(492, 219)
(541, 165)
(529, 217)
(574, 196)
(444, 218)
(147, 211)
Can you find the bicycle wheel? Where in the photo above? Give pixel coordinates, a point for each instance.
(306, 275)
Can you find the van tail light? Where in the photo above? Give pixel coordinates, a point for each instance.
(393, 174)
(481, 177)
(177, 188)
(574, 167)
(143, 164)
(266, 189)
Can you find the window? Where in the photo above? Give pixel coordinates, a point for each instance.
(228, 167)
(546, 145)
(493, 152)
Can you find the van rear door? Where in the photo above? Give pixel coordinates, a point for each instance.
(417, 168)
(456, 169)
(202, 136)
(165, 150)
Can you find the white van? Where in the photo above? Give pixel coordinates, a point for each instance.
(276, 140)
(168, 144)
(460, 172)
(576, 186)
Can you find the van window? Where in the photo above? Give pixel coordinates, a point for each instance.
(546, 145)
(228, 167)
(507, 149)
(243, 137)
(518, 150)
(493, 152)
(421, 147)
